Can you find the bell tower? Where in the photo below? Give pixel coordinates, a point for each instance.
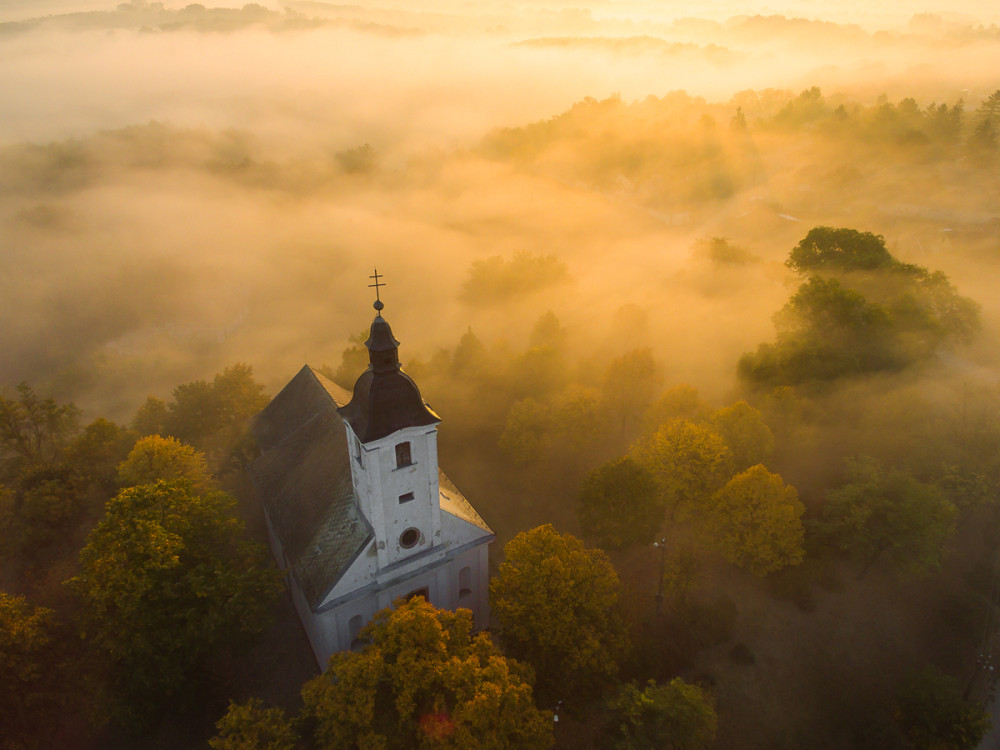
(392, 436)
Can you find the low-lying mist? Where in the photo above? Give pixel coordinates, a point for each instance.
(189, 187)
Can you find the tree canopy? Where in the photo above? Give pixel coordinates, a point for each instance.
(619, 504)
(555, 602)
(880, 510)
(860, 311)
(674, 716)
(28, 695)
(202, 413)
(630, 383)
(746, 434)
(568, 426)
(826, 248)
(690, 462)
(253, 726)
(35, 430)
(423, 681)
(153, 458)
(166, 579)
(756, 523)
(933, 715)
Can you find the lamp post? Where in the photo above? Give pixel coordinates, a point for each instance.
(662, 545)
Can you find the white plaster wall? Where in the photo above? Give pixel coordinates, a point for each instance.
(316, 630)
(329, 631)
(420, 478)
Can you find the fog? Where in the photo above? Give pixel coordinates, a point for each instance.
(576, 208)
(182, 187)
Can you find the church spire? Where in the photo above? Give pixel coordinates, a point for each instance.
(377, 304)
(385, 399)
(383, 349)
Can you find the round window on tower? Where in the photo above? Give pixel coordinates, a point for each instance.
(409, 538)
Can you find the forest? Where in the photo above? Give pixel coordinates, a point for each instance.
(710, 322)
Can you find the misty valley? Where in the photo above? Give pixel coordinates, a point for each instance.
(707, 308)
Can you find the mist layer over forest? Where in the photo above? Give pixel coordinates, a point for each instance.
(186, 186)
(601, 226)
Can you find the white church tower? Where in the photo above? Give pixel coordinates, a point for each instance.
(358, 512)
(394, 438)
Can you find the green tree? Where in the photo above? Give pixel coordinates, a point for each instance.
(497, 279)
(46, 505)
(675, 716)
(556, 603)
(239, 396)
(756, 522)
(878, 510)
(29, 701)
(166, 580)
(629, 384)
(678, 402)
(690, 462)
(720, 251)
(194, 414)
(34, 430)
(579, 426)
(620, 505)
(538, 372)
(571, 427)
(252, 726)
(825, 331)
(860, 311)
(525, 437)
(151, 419)
(361, 159)
(829, 249)
(97, 451)
(548, 331)
(423, 681)
(201, 410)
(982, 143)
(990, 108)
(933, 715)
(681, 570)
(155, 458)
(746, 434)
(353, 362)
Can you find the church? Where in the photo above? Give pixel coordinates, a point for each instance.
(358, 512)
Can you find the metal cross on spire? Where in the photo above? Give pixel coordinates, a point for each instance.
(378, 302)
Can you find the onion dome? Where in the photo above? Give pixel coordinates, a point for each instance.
(385, 398)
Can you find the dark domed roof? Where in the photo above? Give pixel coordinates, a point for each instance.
(385, 398)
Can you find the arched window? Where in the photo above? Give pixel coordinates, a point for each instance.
(464, 583)
(403, 457)
(354, 629)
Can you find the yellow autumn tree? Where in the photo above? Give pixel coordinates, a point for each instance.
(743, 428)
(424, 681)
(556, 603)
(690, 462)
(155, 458)
(756, 522)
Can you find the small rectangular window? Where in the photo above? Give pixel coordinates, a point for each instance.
(403, 455)
(406, 498)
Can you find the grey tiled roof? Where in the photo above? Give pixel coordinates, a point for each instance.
(304, 479)
(454, 502)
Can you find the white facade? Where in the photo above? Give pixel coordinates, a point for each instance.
(383, 521)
